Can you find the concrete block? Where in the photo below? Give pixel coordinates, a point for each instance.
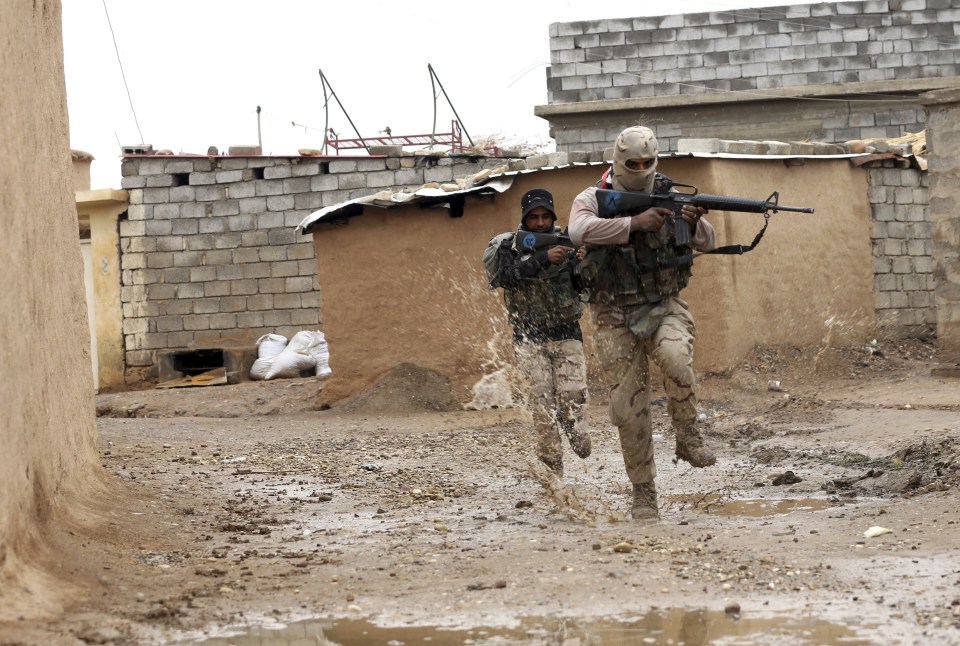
(170, 243)
(256, 270)
(216, 288)
(387, 151)
(166, 211)
(260, 302)
(244, 287)
(277, 172)
(161, 180)
(156, 195)
(203, 179)
(222, 208)
(227, 241)
(327, 182)
(697, 146)
(275, 319)
(258, 238)
(210, 193)
(202, 274)
(298, 284)
(158, 227)
(246, 151)
(133, 182)
(253, 205)
(245, 222)
(269, 187)
(245, 255)
(212, 225)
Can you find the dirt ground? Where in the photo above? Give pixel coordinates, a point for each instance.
(241, 515)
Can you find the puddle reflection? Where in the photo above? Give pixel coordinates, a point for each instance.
(673, 627)
(753, 507)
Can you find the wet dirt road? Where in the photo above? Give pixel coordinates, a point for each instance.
(323, 527)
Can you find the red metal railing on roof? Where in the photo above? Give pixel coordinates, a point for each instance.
(454, 139)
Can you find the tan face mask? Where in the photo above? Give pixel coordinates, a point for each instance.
(636, 143)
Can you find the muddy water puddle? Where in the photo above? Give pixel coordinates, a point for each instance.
(751, 507)
(673, 627)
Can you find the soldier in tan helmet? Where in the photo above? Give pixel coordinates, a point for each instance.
(634, 296)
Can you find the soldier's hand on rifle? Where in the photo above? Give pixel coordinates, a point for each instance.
(558, 254)
(692, 214)
(650, 220)
(581, 252)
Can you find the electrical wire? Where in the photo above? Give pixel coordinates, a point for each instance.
(124, 76)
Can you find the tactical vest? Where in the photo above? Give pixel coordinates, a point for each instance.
(547, 301)
(642, 271)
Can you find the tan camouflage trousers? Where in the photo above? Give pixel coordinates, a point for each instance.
(624, 358)
(556, 396)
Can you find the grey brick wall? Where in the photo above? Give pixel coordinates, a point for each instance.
(753, 50)
(209, 256)
(902, 249)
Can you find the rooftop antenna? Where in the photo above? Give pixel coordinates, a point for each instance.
(259, 136)
(327, 93)
(434, 82)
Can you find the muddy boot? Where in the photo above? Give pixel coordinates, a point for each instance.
(645, 502)
(579, 441)
(690, 447)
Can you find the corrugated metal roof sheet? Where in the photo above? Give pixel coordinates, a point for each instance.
(500, 182)
(425, 197)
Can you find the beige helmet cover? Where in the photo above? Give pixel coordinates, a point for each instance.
(636, 142)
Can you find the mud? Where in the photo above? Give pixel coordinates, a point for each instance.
(241, 512)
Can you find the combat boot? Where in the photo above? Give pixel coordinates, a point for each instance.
(645, 502)
(579, 441)
(690, 447)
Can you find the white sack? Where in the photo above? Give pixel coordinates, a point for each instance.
(268, 347)
(296, 357)
(321, 352)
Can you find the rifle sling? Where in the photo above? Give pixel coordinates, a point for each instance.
(728, 250)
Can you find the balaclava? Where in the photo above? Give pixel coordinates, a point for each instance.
(636, 142)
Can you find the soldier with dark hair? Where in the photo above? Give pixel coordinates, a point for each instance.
(632, 273)
(541, 294)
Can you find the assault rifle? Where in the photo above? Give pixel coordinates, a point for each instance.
(617, 204)
(533, 241)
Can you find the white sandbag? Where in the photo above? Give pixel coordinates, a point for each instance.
(321, 352)
(260, 368)
(295, 358)
(270, 345)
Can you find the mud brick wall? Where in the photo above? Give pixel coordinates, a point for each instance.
(691, 75)
(209, 255)
(902, 249)
(943, 140)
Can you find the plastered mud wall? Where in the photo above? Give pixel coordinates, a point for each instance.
(47, 424)
(407, 284)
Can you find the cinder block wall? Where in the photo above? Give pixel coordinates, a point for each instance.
(902, 249)
(874, 46)
(209, 255)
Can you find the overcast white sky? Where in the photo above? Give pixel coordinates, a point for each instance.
(197, 69)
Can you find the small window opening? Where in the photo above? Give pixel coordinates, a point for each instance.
(180, 179)
(197, 362)
(257, 173)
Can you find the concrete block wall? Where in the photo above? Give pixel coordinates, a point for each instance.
(902, 248)
(874, 45)
(209, 256)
